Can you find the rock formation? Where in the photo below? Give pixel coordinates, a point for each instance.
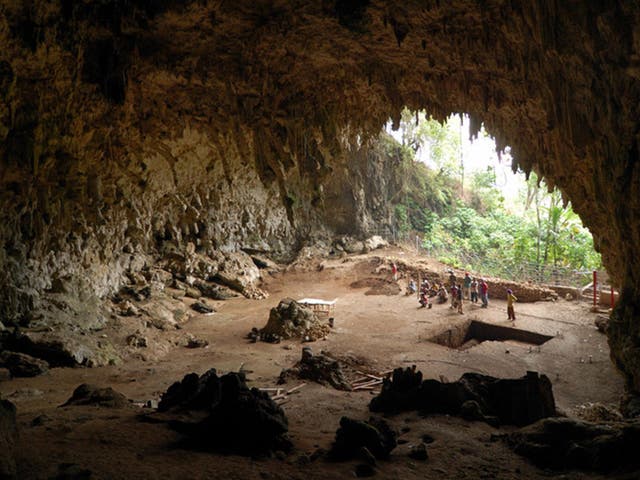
(129, 129)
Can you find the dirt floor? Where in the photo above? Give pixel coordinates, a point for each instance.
(377, 332)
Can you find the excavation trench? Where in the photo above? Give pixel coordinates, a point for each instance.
(472, 332)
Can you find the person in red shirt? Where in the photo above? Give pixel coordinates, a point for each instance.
(484, 293)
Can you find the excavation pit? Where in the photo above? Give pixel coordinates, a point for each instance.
(472, 332)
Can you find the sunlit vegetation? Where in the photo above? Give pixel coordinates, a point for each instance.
(531, 234)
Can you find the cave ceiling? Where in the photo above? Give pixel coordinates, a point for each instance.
(556, 81)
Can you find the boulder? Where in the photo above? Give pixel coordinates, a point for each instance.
(164, 314)
(23, 365)
(87, 394)
(63, 348)
(353, 435)
(564, 443)
(375, 242)
(239, 272)
(214, 291)
(8, 438)
(201, 307)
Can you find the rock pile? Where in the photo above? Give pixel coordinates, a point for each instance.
(474, 397)
(563, 443)
(319, 368)
(235, 419)
(290, 319)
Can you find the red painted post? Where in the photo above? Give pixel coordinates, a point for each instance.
(612, 297)
(595, 289)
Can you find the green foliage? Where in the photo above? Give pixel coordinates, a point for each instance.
(477, 232)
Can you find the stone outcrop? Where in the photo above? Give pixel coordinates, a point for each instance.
(130, 127)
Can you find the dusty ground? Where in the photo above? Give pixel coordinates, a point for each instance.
(382, 331)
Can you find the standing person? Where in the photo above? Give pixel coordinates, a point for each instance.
(511, 298)
(394, 271)
(467, 286)
(460, 295)
(484, 293)
(474, 290)
(452, 278)
(454, 296)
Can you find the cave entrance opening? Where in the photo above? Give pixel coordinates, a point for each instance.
(473, 332)
(459, 201)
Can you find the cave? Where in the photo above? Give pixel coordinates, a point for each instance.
(471, 333)
(202, 138)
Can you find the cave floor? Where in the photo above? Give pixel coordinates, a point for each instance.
(378, 332)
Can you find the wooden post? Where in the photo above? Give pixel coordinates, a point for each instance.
(612, 297)
(595, 289)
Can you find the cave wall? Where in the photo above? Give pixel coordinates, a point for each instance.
(229, 124)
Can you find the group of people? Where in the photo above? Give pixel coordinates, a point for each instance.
(471, 289)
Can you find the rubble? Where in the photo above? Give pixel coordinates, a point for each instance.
(319, 368)
(474, 396)
(291, 319)
(235, 419)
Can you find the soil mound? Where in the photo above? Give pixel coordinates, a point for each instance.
(291, 319)
(377, 286)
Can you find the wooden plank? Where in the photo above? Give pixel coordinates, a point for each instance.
(294, 389)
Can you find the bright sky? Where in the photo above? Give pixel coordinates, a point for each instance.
(477, 156)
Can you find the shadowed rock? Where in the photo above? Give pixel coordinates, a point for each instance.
(354, 435)
(22, 365)
(238, 419)
(8, 437)
(563, 443)
(87, 394)
(476, 397)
